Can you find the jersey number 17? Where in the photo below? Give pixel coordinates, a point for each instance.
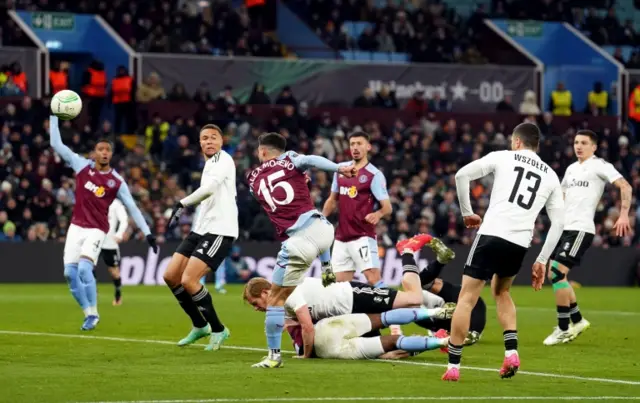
(266, 188)
(532, 190)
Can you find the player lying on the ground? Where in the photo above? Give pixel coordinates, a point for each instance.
(341, 337)
(443, 289)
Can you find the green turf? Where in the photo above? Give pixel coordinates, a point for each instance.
(46, 368)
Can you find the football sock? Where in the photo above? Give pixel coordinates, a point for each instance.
(455, 354)
(403, 316)
(205, 305)
(189, 307)
(85, 273)
(221, 277)
(510, 341)
(325, 258)
(274, 325)
(576, 316)
(417, 343)
(563, 317)
(75, 286)
(429, 273)
(117, 283)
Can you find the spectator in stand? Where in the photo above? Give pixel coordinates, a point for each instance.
(385, 98)
(226, 99)
(155, 134)
(505, 105)
(597, 101)
(258, 96)
(203, 95)
(439, 104)
(366, 100)
(122, 94)
(151, 89)
(178, 94)
(529, 105)
(367, 40)
(9, 233)
(417, 104)
(286, 97)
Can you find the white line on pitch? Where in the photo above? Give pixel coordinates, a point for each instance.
(424, 364)
(380, 398)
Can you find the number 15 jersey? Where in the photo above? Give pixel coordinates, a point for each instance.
(280, 186)
(522, 185)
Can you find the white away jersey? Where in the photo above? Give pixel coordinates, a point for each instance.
(583, 185)
(522, 185)
(218, 213)
(323, 302)
(118, 223)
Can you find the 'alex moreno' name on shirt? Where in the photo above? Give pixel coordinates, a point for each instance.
(534, 163)
(284, 163)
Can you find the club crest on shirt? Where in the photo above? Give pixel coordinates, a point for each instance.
(362, 179)
(111, 183)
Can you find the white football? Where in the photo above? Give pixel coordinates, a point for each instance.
(66, 104)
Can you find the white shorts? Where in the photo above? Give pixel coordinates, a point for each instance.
(110, 243)
(299, 251)
(85, 242)
(357, 255)
(339, 338)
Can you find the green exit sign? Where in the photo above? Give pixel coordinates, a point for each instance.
(53, 21)
(524, 28)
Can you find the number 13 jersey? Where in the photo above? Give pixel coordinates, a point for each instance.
(281, 189)
(523, 184)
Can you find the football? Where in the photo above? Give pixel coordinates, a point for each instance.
(66, 104)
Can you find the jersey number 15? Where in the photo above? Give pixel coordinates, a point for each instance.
(267, 187)
(532, 190)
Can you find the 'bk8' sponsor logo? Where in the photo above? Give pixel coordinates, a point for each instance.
(350, 191)
(95, 189)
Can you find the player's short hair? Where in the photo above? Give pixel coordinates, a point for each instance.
(212, 127)
(104, 140)
(592, 136)
(359, 133)
(254, 288)
(529, 134)
(273, 140)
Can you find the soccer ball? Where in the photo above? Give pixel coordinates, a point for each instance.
(66, 104)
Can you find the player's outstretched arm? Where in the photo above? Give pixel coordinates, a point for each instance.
(332, 202)
(304, 162)
(74, 160)
(470, 172)
(379, 190)
(555, 211)
(123, 221)
(622, 225)
(125, 197)
(308, 331)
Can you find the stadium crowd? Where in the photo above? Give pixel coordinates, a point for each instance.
(418, 158)
(161, 26)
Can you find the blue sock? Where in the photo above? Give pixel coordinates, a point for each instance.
(75, 286)
(325, 257)
(85, 273)
(417, 343)
(403, 316)
(221, 276)
(379, 284)
(274, 325)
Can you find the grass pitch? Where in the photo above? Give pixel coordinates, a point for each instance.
(131, 357)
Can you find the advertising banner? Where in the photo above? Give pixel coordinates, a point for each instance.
(30, 62)
(469, 88)
(42, 263)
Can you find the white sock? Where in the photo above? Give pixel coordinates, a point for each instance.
(87, 311)
(450, 366)
(94, 310)
(509, 353)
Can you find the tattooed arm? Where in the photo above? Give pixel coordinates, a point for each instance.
(622, 226)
